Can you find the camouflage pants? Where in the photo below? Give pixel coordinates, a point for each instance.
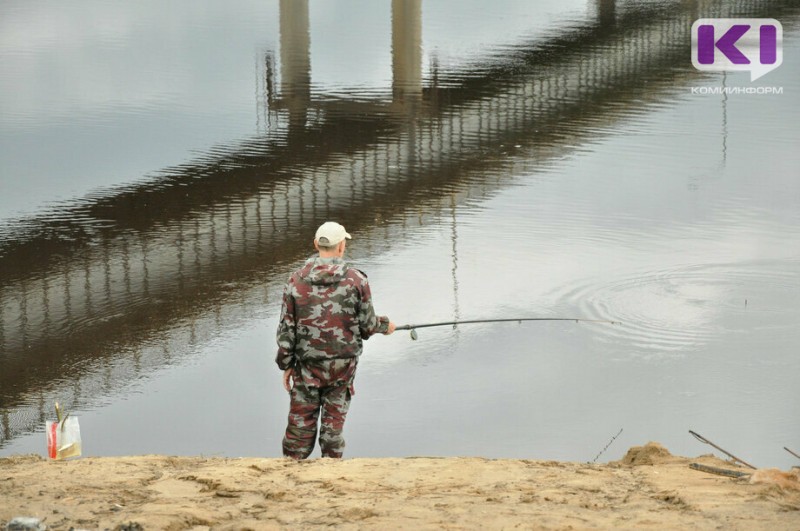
(306, 403)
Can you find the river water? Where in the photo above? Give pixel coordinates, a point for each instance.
(164, 168)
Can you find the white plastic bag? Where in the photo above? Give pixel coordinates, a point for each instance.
(63, 438)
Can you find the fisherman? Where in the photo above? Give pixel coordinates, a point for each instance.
(327, 312)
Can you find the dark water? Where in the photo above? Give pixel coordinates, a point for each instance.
(164, 168)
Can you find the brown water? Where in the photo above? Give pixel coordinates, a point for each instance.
(164, 169)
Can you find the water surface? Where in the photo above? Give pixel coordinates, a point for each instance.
(164, 170)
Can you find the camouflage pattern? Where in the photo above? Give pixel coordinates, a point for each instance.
(306, 403)
(326, 315)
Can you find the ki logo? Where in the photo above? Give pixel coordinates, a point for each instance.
(737, 44)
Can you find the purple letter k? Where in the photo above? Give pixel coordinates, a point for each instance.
(726, 44)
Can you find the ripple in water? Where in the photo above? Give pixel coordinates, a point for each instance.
(673, 312)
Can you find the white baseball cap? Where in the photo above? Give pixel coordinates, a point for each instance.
(331, 233)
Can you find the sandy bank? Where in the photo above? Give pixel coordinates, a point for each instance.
(651, 490)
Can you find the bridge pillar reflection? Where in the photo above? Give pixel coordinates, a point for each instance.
(406, 50)
(295, 41)
(606, 12)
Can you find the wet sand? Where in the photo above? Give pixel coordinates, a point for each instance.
(648, 489)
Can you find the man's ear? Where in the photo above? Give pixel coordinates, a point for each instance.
(342, 245)
(316, 245)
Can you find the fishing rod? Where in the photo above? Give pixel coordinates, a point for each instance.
(791, 452)
(413, 327)
(706, 441)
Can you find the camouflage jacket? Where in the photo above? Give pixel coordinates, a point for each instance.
(326, 315)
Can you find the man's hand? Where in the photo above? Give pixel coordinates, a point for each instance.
(288, 379)
(392, 326)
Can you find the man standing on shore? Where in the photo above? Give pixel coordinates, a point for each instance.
(326, 314)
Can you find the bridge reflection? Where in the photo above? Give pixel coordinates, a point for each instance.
(117, 286)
